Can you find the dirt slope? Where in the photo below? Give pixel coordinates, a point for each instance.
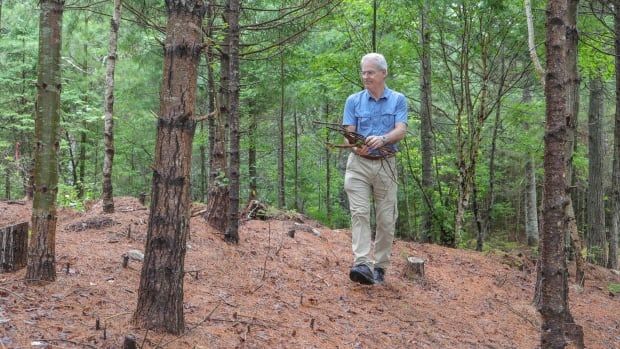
(274, 291)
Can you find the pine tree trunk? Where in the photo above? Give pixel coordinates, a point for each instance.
(596, 238)
(281, 183)
(160, 296)
(252, 156)
(41, 252)
(203, 165)
(82, 166)
(426, 128)
(108, 123)
(615, 194)
(232, 13)
(7, 181)
(554, 274)
(530, 201)
(328, 172)
(572, 112)
(217, 195)
(296, 205)
(531, 213)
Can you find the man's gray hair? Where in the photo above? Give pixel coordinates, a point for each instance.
(377, 59)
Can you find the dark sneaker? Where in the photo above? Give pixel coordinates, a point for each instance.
(379, 275)
(361, 273)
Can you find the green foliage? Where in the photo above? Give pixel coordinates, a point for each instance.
(68, 197)
(614, 288)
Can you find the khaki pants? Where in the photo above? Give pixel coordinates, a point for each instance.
(365, 177)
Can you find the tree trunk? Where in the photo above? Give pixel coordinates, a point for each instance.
(108, 124)
(217, 195)
(7, 181)
(426, 127)
(615, 195)
(530, 201)
(160, 296)
(203, 165)
(328, 172)
(596, 238)
(554, 274)
(232, 13)
(572, 112)
(252, 156)
(374, 26)
(296, 205)
(41, 253)
(531, 213)
(82, 166)
(281, 184)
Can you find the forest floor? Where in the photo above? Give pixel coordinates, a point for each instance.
(274, 291)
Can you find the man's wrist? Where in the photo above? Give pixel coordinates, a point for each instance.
(384, 139)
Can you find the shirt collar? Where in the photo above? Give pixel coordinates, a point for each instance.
(386, 94)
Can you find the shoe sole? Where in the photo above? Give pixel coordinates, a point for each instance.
(360, 278)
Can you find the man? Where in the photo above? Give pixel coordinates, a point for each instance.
(380, 115)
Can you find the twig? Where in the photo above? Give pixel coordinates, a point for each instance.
(67, 341)
(194, 214)
(317, 276)
(144, 339)
(518, 314)
(105, 320)
(254, 323)
(13, 293)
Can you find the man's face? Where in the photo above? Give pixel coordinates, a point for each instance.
(372, 76)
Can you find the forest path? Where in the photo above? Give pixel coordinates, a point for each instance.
(274, 291)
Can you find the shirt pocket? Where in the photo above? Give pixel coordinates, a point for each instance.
(387, 122)
(364, 124)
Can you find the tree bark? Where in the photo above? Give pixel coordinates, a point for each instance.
(596, 238)
(160, 296)
(217, 195)
(615, 195)
(13, 247)
(252, 156)
(232, 13)
(82, 165)
(281, 183)
(7, 181)
(296, 205)
(530, 200)
(531, 42)
(572, 105)
(426, 127)
(328, 172)
(41, 253)
(554, 274)
(531, 212)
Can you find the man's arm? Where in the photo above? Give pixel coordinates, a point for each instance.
(394, 136)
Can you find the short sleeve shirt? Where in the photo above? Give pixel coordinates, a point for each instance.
(375, 117)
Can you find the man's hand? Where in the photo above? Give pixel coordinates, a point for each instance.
(375, 142)
(363, 150)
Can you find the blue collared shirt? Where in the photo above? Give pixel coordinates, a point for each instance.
(375, 117)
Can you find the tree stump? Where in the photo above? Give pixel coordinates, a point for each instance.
(414, 269)
(129, 342)
(142, 198)
(13, 247)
